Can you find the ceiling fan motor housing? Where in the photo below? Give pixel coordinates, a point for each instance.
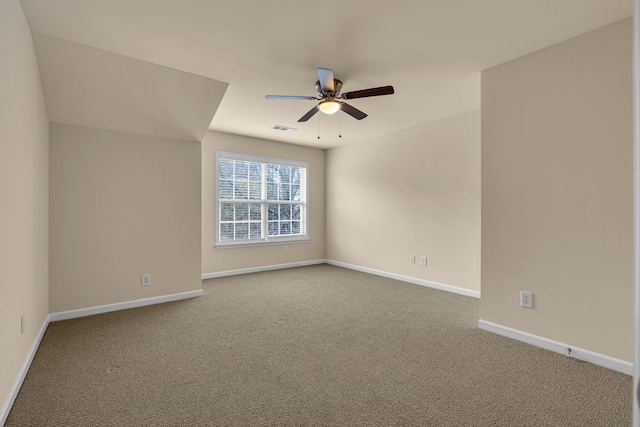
(337, 86)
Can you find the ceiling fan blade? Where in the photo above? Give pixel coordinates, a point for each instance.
(325, 77)
(309, 114)
(353, 111)
(307, 98)
(376, 91)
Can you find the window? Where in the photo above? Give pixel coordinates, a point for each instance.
(260, 200)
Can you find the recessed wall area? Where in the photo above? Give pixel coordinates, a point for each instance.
(557, 178)
(237, 258)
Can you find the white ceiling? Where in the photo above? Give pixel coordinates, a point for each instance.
(431, 51)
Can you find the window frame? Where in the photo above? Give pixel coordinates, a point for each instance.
(264, 202)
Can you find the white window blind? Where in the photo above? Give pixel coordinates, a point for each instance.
(260, 199)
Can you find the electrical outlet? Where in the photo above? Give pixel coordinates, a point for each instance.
(412, 259)
(423, 260)
(286, 249)
(146, 279)
(526, 299)
(22, 324)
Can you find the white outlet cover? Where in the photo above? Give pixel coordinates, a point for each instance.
(526, 299)
(146, 279)
(423, 260)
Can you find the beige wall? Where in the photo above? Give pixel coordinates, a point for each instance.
(557, 192)
(24, 234)
(122, 205)
(412, 192)
(218, 260)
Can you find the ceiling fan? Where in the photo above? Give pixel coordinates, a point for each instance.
(331, 100)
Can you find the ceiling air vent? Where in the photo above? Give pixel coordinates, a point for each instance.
(283, 128)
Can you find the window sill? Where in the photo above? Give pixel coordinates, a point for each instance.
(245, 244)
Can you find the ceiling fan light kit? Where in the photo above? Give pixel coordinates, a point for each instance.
(329, 106)
(329, 96)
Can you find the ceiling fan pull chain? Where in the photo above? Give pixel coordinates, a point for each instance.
(340, 122)
(318, 127)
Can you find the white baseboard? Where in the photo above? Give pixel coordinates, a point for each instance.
(90, 311)
(13, 393)
(263, 268)
(440, 286)
(421, 282)
(558, 347)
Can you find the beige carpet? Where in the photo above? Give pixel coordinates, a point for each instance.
(312, 346)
